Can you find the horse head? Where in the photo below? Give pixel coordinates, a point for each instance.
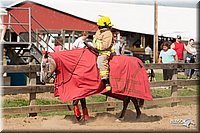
(48, 67)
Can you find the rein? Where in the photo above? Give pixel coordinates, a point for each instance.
(63, 82)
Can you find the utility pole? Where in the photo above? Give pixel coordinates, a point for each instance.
(155, 48)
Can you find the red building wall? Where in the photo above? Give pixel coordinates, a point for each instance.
(49, 18)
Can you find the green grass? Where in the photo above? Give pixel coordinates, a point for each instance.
(188, 92)
(47, 102)
(15, 103)
(160, 93)
(159, 76)
(96, 98)
(25, 102)
(15, 116)
(156, 93)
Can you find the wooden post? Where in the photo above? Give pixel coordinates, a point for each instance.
(37, 38)
(69, 41)
(110, 107)
(143, 41)
(4, 60)
(63, 36)
(32, 97)
(110, 99)
(155, 48)
(73, 39)
(174, 88)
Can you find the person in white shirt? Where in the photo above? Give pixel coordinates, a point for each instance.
(148, 51)
(79, 43)
(190, 57)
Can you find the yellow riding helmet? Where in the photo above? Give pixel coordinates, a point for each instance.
(104, 21)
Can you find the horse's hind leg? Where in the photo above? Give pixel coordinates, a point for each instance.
(77, 112)
(125, 105)
(140, 102)
(84, 108)
(135, 102)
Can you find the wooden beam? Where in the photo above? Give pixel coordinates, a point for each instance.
(8, 90)
(161, 66)
(188, 82)
(94, 107)
(162, 83)
(21, 68)
(188, 66)
(178, 82)
(50, 108)
(36, 67)
(168, 100)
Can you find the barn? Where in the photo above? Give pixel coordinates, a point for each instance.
(134, 22)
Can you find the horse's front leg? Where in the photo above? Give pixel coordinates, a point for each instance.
(84, 108)
(77, 112)
(125, 105)
(137, 107)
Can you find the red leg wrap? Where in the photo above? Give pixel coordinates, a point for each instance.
(77, 113)
(85, 114)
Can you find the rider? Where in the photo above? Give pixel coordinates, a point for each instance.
(103, 43)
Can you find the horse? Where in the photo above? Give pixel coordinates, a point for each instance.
(49, 66)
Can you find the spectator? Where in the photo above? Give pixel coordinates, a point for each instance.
(58, 44)
(169, 41)
(79, 43)
(179, 47)
(116, 45)
(190, 57)
(167, 56)
(122, 45)
(148, 51)
(148, 55)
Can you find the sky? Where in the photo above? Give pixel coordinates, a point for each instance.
(179, 3)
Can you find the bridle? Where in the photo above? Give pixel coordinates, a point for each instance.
(46, 66)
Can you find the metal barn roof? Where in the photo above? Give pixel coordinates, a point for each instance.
(130, 17)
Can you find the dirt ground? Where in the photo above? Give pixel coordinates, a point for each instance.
(155, 119)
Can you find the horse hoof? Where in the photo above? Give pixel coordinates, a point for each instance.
(138, 116)
(118, 120)
(83, 122)
(78, 118)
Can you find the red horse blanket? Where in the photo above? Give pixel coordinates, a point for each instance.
(78, 76)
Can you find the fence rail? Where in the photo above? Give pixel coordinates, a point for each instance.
(33, 89)
(36, 67)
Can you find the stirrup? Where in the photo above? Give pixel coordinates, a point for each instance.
(108, 87)
(106, 84)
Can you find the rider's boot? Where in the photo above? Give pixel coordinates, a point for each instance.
(77, 112)
(85, 113)
(107, 84)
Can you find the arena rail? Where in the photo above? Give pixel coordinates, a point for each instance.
(33, 89)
